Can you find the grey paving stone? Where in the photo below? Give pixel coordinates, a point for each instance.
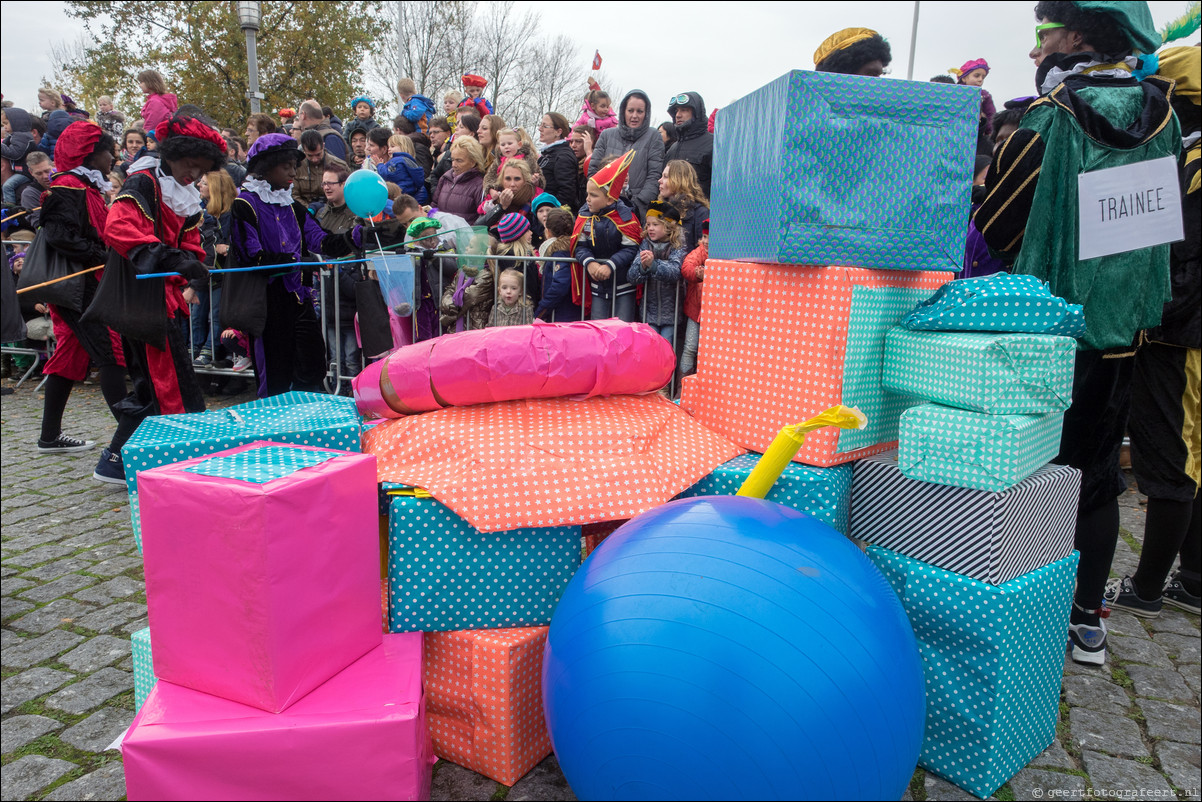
(112, 616)
(39, 555)
(14, 584)
(108, 551)
(1173, 620)
(17, 731)
(95, 537)
(1114, 776)
(1138, 650)
(25, 513)
(91, 691)
(14, 607)
(1190, 673)
(104, 783)
(20, 688)
(117, 565)
(116, 588)
(8, 639)
(1159, 683)
(1106, 732)
(543, 783)
(44, 573)
(1040, 784)
(7, 570)
(1126, 625)
(98, 730)
(1182, 648)
(939, 789)
(54, 614)
(63, 586)
(1171, 722)
(1182, 763)
(452, 782)
(1054, 757)
(96, 653)
(25, 777)
(40, 649)
(135, 625)
(1095, 692)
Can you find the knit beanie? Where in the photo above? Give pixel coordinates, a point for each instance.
(513, 226)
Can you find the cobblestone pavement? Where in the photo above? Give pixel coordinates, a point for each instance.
(72, 591)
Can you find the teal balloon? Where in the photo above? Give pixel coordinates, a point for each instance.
(365, 193)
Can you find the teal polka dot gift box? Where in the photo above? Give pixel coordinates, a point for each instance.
(823, 493)
(992, 658)
(310, 419)
(822, 169)
(444, 574)
(144, 678)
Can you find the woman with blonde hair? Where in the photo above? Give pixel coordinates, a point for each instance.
(403, 170)
(679, 186)
(490, 126)
(458, 191)
(160, 104)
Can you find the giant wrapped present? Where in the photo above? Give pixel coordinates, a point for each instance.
(484, 697)
(992, 657)
(823, 493)
(444, 574)
(1003, 374)
(990, 537)
(999, 302)
(362, 735)
(781, 343)
(845, 170)
(144, 678)
(957, 447)
(262, 569)
(310, 419)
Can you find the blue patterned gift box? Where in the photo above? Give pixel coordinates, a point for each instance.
(311, 419)
(957, 447)
(144, 678)
(1001, 302)
(992, 657)
(991, 537)
(823, 493)
(846, 171)
(444, 574)
(1023, 374)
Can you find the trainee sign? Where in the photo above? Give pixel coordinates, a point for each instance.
(1129, 207)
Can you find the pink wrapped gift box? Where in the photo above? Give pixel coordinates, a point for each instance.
(361, 735)
(262, 564)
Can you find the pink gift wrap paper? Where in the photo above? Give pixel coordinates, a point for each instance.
(258, 593)
(361, 735)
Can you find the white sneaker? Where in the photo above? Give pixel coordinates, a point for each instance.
(1088, 643)
(242, 363)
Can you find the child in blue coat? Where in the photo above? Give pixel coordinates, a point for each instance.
(403, 170)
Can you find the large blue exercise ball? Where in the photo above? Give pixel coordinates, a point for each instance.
(365, 193)
(732, 648)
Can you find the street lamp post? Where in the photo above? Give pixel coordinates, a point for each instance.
(249, 17)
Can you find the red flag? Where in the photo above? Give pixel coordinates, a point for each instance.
(597, 60)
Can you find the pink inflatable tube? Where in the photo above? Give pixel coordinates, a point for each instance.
(545, 360)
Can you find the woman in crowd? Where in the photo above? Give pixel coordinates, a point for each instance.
(556, 161)
(458, 191)
(634, 133)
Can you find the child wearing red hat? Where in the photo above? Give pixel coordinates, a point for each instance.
(605, 241)
(973, 73)
(475, 102)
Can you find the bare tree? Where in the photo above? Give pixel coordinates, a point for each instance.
(555, 79)
(426, 43)
(504, 40)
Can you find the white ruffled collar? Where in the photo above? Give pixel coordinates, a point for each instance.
(98, 180)
(264, 192)
(182, 199)
(1094, 67)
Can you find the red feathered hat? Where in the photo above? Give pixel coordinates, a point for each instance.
(189, 126)
(474, 80)
(612, 177)
(76, 143)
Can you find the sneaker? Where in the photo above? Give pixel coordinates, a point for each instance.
(1120, 595)
(64, 445)
(1176, 595)
(110, 469)
(242, 363)
(202, 361)
(1088, 643)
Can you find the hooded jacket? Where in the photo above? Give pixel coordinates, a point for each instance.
(419, 110)
(694, 143)
(642, 183)
(20, 142)
(56, 122)
(158, 108)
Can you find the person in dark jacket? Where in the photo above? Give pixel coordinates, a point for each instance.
(556, 305)
(556, 161)
(421, 142)
(460, 188)
(440, 151)
(634, 133)
(16, 149)
(605, 240)
(336, 218)
(694, 143)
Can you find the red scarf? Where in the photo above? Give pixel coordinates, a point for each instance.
(629, 229)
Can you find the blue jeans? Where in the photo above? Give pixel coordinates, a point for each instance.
(12, 187)
(602, 308)
(344, 342)
(206, 329)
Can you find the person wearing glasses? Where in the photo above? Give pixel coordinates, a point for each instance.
(633, 133)
(1092, 114)
(336, 218)
(694, 142)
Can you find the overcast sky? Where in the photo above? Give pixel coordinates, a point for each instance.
(722, 51)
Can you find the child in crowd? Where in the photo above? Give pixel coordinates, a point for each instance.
(450, 106)
(362, 120)
(556, 305)
(358, 152)
(467, 302)
(514, 239)
(509, 146)
(475, 102)
(658, 267)
(540, 207)
(693, 270)
(403, 170)
(597, 110)
(513, 308)
(17, 146)
(605, 240)
(679, 186)
(109, 119)
(417, 109)
(972, 73)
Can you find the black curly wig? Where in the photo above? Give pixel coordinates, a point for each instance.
(850, 60)
(1100, 30)
(183, 147)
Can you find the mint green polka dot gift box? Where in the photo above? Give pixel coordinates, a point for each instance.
(144, 678)
(845, 170)
(823, 493)
(444, 574)
(992, 658)
(311, 419)
(1024, 374)
(958, 447)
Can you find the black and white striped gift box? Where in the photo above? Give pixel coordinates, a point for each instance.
(992, 537)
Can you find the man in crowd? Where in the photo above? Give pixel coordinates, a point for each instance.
(307, 188)
(335, 218)
(310, 118)
(40, 170)
(694, 143)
